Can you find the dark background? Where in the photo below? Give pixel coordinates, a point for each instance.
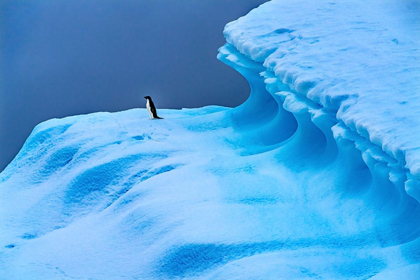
(67, 57)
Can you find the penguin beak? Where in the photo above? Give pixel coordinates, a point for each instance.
(144, 97)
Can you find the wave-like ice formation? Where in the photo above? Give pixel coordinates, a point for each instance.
(357, 61)
(314, 176)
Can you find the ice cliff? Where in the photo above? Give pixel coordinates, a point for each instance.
(316, 175)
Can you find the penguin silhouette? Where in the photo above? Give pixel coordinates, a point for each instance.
(151, 108)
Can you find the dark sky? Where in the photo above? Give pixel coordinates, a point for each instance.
(60, 58)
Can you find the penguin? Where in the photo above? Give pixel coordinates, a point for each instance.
(151, 108)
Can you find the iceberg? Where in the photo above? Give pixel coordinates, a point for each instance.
(315, 176)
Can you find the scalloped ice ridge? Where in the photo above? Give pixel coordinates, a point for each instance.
(279, 118)
(359, 61)
(353, 69)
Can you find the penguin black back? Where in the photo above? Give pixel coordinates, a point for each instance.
(151, 108)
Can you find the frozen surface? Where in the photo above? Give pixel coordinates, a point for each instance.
(358, 60)
(315, 176)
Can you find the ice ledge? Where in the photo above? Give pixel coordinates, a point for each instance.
(357, 62)
(326, 119)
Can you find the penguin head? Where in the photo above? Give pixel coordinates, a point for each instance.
(148, 97)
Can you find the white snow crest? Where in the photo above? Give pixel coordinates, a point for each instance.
(357, 60)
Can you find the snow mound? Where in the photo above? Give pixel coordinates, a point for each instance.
(314, 176)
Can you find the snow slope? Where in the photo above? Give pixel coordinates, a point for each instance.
(315, 176)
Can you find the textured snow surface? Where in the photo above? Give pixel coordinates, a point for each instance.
(315, 176)
(357, 59)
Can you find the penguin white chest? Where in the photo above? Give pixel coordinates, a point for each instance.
(149, 109)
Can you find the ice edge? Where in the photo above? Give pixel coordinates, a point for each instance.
(291, 94)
